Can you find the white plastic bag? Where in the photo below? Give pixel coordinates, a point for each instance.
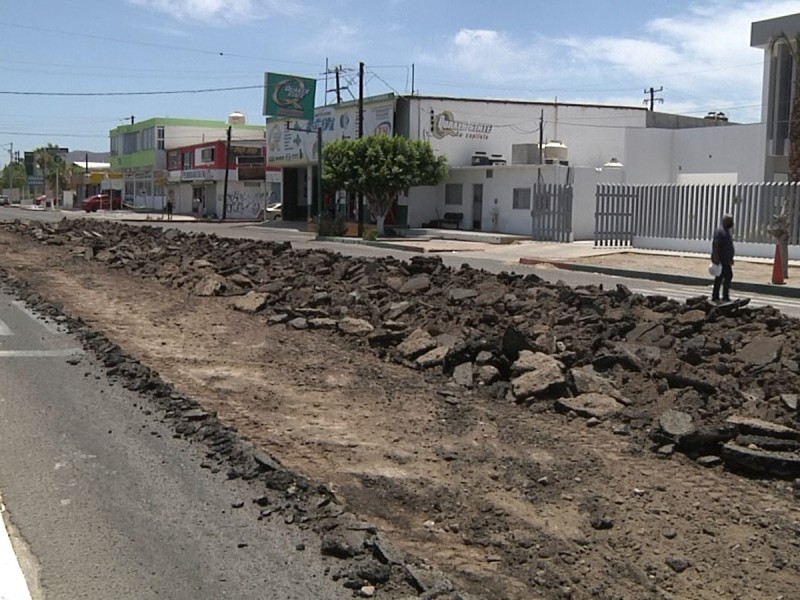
(714, 270)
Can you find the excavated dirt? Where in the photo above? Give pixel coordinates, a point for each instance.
(526, 439)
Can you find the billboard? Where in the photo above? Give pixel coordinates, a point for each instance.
(289, 147)
(289, 96)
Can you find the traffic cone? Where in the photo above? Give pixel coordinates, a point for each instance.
(777, 267)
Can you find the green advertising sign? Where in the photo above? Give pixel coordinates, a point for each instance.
(289, 96)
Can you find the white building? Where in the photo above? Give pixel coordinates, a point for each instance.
(777, 90)
(494, 154)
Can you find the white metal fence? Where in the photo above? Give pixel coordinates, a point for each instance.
(684, 217)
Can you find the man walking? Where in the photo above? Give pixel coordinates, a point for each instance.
(722, 254)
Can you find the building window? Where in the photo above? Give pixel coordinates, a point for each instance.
(522, 198)
(160, 138)
(174, 160)
(489, 173)
(207, 155)
(186, 163)
(129, 143)
(453, 194)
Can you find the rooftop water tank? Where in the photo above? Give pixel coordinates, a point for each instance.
(555, 153)
(236, 118)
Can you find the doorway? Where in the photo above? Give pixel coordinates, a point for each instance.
(477, 206)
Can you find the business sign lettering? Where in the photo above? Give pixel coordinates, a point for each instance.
(289, 96)
(445, 124)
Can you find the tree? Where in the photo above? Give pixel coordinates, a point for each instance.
(13, 176)
(380, 167)
(55, 169)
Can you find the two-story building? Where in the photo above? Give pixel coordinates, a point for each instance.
(197, 175)
(139, 151)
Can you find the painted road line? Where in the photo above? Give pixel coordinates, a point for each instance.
(12, 581)
(48, 324)
(40, 353)
(4, 330)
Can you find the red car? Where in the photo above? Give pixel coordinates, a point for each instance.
(100, 201)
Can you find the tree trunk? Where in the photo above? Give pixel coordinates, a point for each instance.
(783, 244)
(380, 220)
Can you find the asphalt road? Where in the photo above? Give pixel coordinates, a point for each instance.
(103, 502)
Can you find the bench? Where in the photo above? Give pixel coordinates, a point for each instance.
(452, 218)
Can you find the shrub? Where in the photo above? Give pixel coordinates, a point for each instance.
(328, 226)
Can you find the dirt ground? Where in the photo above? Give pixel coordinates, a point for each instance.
(509, 501)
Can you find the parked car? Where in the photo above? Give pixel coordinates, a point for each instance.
(273, 212)
(4, 201)
(101, 202)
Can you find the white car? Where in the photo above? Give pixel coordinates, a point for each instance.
(273, 212)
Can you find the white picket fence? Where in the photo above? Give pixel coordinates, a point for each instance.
(683, 217)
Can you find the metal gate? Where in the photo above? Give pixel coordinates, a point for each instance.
(551, 213)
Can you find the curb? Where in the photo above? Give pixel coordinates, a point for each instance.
(390, 245)
(767, 289)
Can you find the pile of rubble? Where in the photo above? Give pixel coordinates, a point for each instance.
(718, 383)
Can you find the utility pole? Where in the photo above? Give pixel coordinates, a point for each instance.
(227, 165)
(652, 92)
(541, 137)
(360, 135)
(10, 161)
(337, 71)
(132, 118)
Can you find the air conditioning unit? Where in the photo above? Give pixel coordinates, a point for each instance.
(480, 158)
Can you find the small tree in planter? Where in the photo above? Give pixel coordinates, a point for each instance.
(779, 229)
(380, 167)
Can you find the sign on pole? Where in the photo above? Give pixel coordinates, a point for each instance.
(289, 96)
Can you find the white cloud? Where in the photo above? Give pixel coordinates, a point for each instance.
(702, 58)
(217, 11)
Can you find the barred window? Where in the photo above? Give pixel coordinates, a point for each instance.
(522, 198)
(453, 194)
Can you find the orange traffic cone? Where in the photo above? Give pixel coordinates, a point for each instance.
(777, 267)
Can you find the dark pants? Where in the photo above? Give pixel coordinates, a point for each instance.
(725, 281)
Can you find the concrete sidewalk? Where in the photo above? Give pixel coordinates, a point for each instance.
(750, 275)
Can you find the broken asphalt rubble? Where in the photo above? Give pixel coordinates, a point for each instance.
(715, 383)
(645, 362)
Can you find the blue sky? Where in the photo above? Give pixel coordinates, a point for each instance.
(575, 51)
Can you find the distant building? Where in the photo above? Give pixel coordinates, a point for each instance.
(196, 179)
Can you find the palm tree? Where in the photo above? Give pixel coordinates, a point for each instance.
(56, 171)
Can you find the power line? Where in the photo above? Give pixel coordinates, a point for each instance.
(165, 92)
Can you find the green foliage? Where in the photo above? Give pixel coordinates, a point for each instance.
(328, 226)
(57, 172)
(381, 164)
(15, 174)
(380, 167)
(371, 235)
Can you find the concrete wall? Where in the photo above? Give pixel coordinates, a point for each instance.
(730, 152)
(592, 134)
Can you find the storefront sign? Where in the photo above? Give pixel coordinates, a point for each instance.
(289, 96)
(195, 174)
